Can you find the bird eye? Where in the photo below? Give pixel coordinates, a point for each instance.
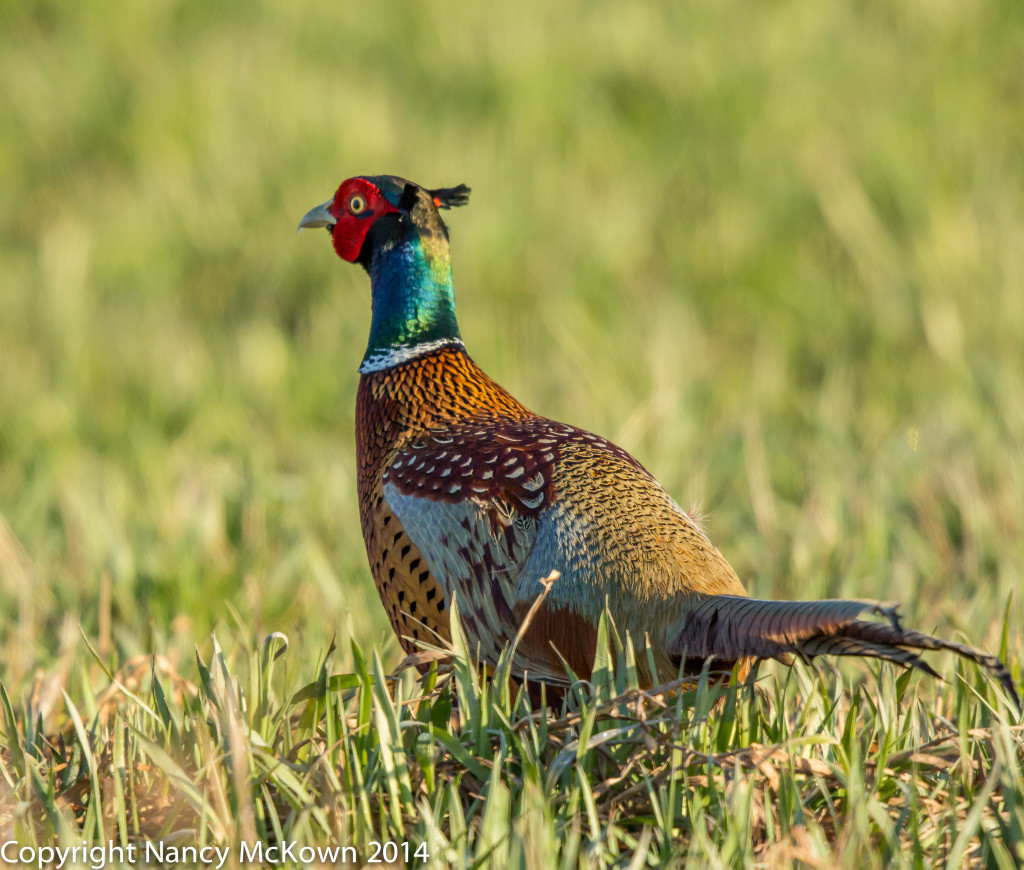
(357, 204)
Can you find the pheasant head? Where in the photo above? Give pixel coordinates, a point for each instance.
(394, 230)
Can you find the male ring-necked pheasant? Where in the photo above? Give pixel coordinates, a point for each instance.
(465, 494)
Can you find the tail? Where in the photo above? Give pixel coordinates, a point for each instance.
(730, 627)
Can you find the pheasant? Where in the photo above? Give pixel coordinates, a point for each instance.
(466, 495)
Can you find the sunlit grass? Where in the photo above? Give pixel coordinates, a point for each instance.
(805, 769)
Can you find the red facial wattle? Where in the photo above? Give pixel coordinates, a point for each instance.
(357, 205)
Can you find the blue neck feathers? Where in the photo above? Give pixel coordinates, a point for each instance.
(413, 302)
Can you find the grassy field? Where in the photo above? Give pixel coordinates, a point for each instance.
(776, 251)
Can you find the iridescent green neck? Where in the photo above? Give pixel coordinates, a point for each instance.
(413, 301)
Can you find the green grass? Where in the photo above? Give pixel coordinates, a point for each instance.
(806, 771)
(775, 251)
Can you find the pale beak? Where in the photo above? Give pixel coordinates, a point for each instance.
(318, 217)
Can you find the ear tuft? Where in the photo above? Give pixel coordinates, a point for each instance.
(407, 201)
(450, 197)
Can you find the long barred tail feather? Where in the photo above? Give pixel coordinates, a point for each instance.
(731, 627)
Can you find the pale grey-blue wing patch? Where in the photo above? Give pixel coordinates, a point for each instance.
(475, 550)
(566, 543)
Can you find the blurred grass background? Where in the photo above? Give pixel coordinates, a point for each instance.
(774, 250)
